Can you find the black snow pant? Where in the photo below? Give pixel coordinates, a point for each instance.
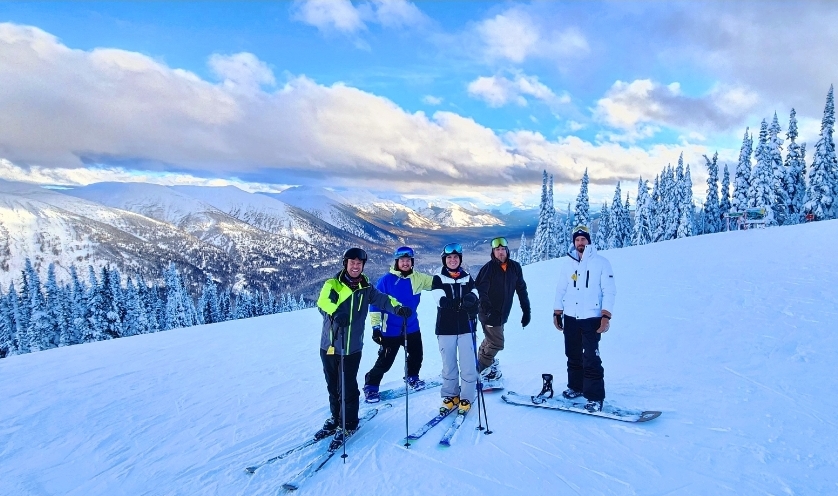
(331, 369)
(584, 367)
(387, 352)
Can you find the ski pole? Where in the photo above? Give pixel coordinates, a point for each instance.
(343, 395)
(481, 398)
(406, 387)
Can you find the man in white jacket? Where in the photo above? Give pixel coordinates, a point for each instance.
(584, 300)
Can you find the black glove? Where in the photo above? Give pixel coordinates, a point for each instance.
(376, 335)
(446, 302)
(525, 320)
(341, 319)
(470, 302)
(404, 311)
(557, 318)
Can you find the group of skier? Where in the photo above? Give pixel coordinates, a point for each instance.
(582, 311)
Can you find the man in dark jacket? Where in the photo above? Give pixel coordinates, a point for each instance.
(344, 302)
(497, 283)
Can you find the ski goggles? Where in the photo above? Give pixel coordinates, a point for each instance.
(497, 242)
(581, 228)
(404, 251)
(451, 248)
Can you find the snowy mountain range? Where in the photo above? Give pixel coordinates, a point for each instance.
(279, 241)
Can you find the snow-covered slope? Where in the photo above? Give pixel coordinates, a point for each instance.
(49, 226)
(731, 335)
(334, 209)
(450, 214)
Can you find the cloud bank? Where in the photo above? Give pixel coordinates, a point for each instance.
(108, 109)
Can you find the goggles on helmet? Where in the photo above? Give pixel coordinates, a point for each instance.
(452, 248)
(404, 251)
(499, 242)
(355, 253)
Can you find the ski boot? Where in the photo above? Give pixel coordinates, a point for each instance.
(329, 428)
(340, 437)
(371, 394)
(415, 383)
(464, 407)
(449, 403)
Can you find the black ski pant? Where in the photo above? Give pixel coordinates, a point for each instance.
(387, 352)
(331, 369)
(584, 367)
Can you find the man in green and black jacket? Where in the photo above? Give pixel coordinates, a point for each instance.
(344, 302)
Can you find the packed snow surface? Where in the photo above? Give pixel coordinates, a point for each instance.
(731, 335)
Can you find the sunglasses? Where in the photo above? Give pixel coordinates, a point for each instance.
(499, 242)
(404, 251)
(452, 248)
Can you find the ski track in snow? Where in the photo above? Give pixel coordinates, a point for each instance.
(725, 334)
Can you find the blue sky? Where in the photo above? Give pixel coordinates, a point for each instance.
(447, 99)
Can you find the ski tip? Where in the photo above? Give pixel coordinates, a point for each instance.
(290, 487)
(648, 415)
(445, 444)
(250, 470)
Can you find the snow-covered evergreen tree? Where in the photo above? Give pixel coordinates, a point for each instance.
(795, 173)
(823, 175)
(724, 199)
(178, 311)
(655, 209)
(779, 173)
(642, 232)
(582, 209)
(604, 232)
(761, 191)
(96, 309)
(742, 179)
(540, 247)
(553, 224)
(686, 221)
(523, 251)
(58, 321)
(670, 196)
(208, 305)
(79, 323)
(244, 305)
(712, 217)
(136, 318)
(6, 327)
(19, 341)
(625, 222)
(616, 236)
(301, 303)
(38, 330)
(113, 298)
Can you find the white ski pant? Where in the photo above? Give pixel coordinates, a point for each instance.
(458, 381)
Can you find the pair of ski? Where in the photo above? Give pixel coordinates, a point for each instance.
(445, 440)
(321, 458)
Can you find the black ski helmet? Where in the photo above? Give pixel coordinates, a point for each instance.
(354, 253)
(452, 249)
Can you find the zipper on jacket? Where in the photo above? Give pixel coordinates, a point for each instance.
(587, 277)
(574, 279)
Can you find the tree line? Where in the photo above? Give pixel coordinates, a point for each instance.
(40, 316)
(782, 190)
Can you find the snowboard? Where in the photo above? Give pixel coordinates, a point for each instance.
(578, 406)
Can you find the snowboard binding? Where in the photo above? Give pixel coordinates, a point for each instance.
(546, 389)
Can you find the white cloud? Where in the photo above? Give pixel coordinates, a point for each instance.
(106, 114)
(574, 126)
(344, 17)
(432, 100)
(328, 15)
(516, 36)
(498, 91)
(241, 70)
(83, 176)
(641, 107)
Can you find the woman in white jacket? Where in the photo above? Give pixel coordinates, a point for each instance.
(584, 300)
